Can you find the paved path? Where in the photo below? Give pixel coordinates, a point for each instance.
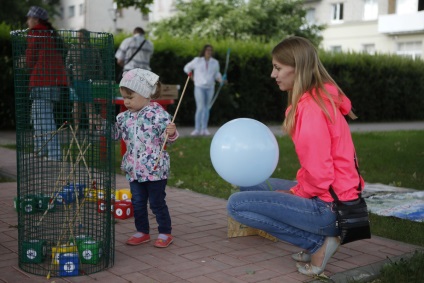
(201, 252)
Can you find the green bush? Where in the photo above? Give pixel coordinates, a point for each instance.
(381, 87)
(7, 104)
(250, 91)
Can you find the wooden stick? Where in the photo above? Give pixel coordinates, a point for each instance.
(175, 115)
(80, 151)
(56, 194)
(54, 133)
(182, 95)
(50, 133)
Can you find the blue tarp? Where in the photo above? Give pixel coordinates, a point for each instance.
(405, 205)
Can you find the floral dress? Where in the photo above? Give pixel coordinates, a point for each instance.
(144, 133)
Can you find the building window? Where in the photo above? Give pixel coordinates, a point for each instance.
(336, 48)
(406, 6)
(368, 48)
(61, 12)
(145, 17)
(71, 11)
(310, 16)
(81, 9)
(412, 49)
(337, 12)
(370, 10)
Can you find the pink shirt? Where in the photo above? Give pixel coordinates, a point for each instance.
(325, 150)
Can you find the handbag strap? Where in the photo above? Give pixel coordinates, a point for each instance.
(333, 194)
(138, 49)
(359, 174)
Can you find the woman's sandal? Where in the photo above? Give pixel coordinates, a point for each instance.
(301, 256)
(331, 247)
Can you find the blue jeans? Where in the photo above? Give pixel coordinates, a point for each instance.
(43, 121)
(154, 192)
(302, 222)
(203, 97)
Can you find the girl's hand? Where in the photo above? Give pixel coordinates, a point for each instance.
(171, 129)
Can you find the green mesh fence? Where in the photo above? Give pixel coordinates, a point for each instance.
(64, 90)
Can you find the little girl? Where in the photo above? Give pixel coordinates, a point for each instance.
(144, 127)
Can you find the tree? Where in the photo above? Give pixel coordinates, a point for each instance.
(266, 20)
(142, 5)
(15, 13)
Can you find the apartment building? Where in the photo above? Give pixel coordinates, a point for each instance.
(99, 16)
(372, 26)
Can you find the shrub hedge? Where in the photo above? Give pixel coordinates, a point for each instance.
(381, 87)
(7, 102)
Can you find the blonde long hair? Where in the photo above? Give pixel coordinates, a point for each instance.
(310, 77)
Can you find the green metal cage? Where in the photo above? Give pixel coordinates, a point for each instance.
(64, 91)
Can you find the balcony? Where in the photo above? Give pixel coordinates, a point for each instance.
(397, 24)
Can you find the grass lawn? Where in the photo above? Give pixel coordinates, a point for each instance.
(391, 158)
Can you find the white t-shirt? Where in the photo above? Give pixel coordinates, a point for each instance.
(129, 46)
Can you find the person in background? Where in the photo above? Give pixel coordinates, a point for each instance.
(205, 71)
(144, 127)
(129, 54)
(45, 63)
(303, 212)
(85, 65)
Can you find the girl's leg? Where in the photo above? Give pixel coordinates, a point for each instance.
(158, 205)
(95, 119)
(76, 114)
(302, 222)
(74, 95)
(139, 201)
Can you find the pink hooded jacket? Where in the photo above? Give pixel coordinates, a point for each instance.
(325, 150)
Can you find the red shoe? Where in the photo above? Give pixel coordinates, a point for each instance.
(134, 241)
(161, 243)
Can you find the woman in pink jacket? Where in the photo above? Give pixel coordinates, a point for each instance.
(302, 212)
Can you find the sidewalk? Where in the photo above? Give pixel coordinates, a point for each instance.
(201, 252)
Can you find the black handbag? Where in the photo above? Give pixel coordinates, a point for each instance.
(352, 217)
(119, 76)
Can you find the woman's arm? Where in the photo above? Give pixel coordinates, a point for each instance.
(190, 66)
(313, 147)
(218, 75)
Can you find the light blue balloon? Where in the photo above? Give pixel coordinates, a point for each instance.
(244, 152)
